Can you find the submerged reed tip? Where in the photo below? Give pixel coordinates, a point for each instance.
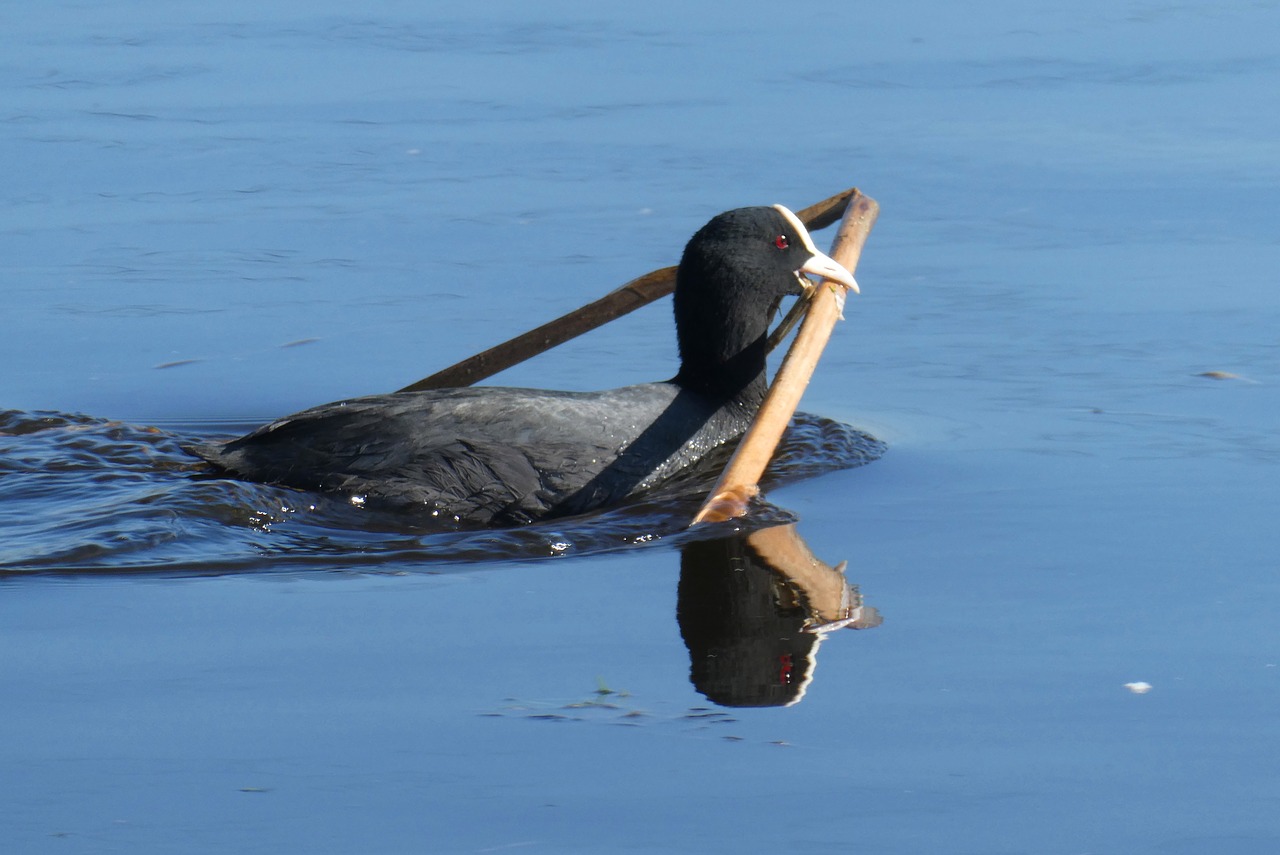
(726, 505)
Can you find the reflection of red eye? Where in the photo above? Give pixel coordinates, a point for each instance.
(781, 242)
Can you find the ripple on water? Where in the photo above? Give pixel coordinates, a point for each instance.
(81, 494)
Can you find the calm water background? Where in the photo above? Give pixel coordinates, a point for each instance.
(217, 214)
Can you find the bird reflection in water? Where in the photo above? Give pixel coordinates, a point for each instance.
(753, 610)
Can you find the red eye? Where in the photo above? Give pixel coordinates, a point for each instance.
(781, 242)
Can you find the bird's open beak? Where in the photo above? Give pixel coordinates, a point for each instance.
(820, 264)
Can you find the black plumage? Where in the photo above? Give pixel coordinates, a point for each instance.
(502, 456)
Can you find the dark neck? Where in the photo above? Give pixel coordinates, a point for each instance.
(741, 378)
(722, 349)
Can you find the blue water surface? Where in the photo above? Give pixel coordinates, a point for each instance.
(218, 213)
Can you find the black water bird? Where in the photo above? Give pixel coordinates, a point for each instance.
(503, 456)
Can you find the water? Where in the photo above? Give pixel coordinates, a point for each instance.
(92, 495)
(217, 216)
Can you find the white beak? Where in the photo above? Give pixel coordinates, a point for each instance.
(821, 264)
(828, 268)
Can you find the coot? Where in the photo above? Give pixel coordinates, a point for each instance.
(502, 456)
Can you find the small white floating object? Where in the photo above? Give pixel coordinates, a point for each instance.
(1139, 688)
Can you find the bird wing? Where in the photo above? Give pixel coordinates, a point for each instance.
(479, 454)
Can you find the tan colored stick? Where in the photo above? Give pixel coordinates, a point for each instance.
(623, 300)
(738, 483)
(615, 304)
(829, 598)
